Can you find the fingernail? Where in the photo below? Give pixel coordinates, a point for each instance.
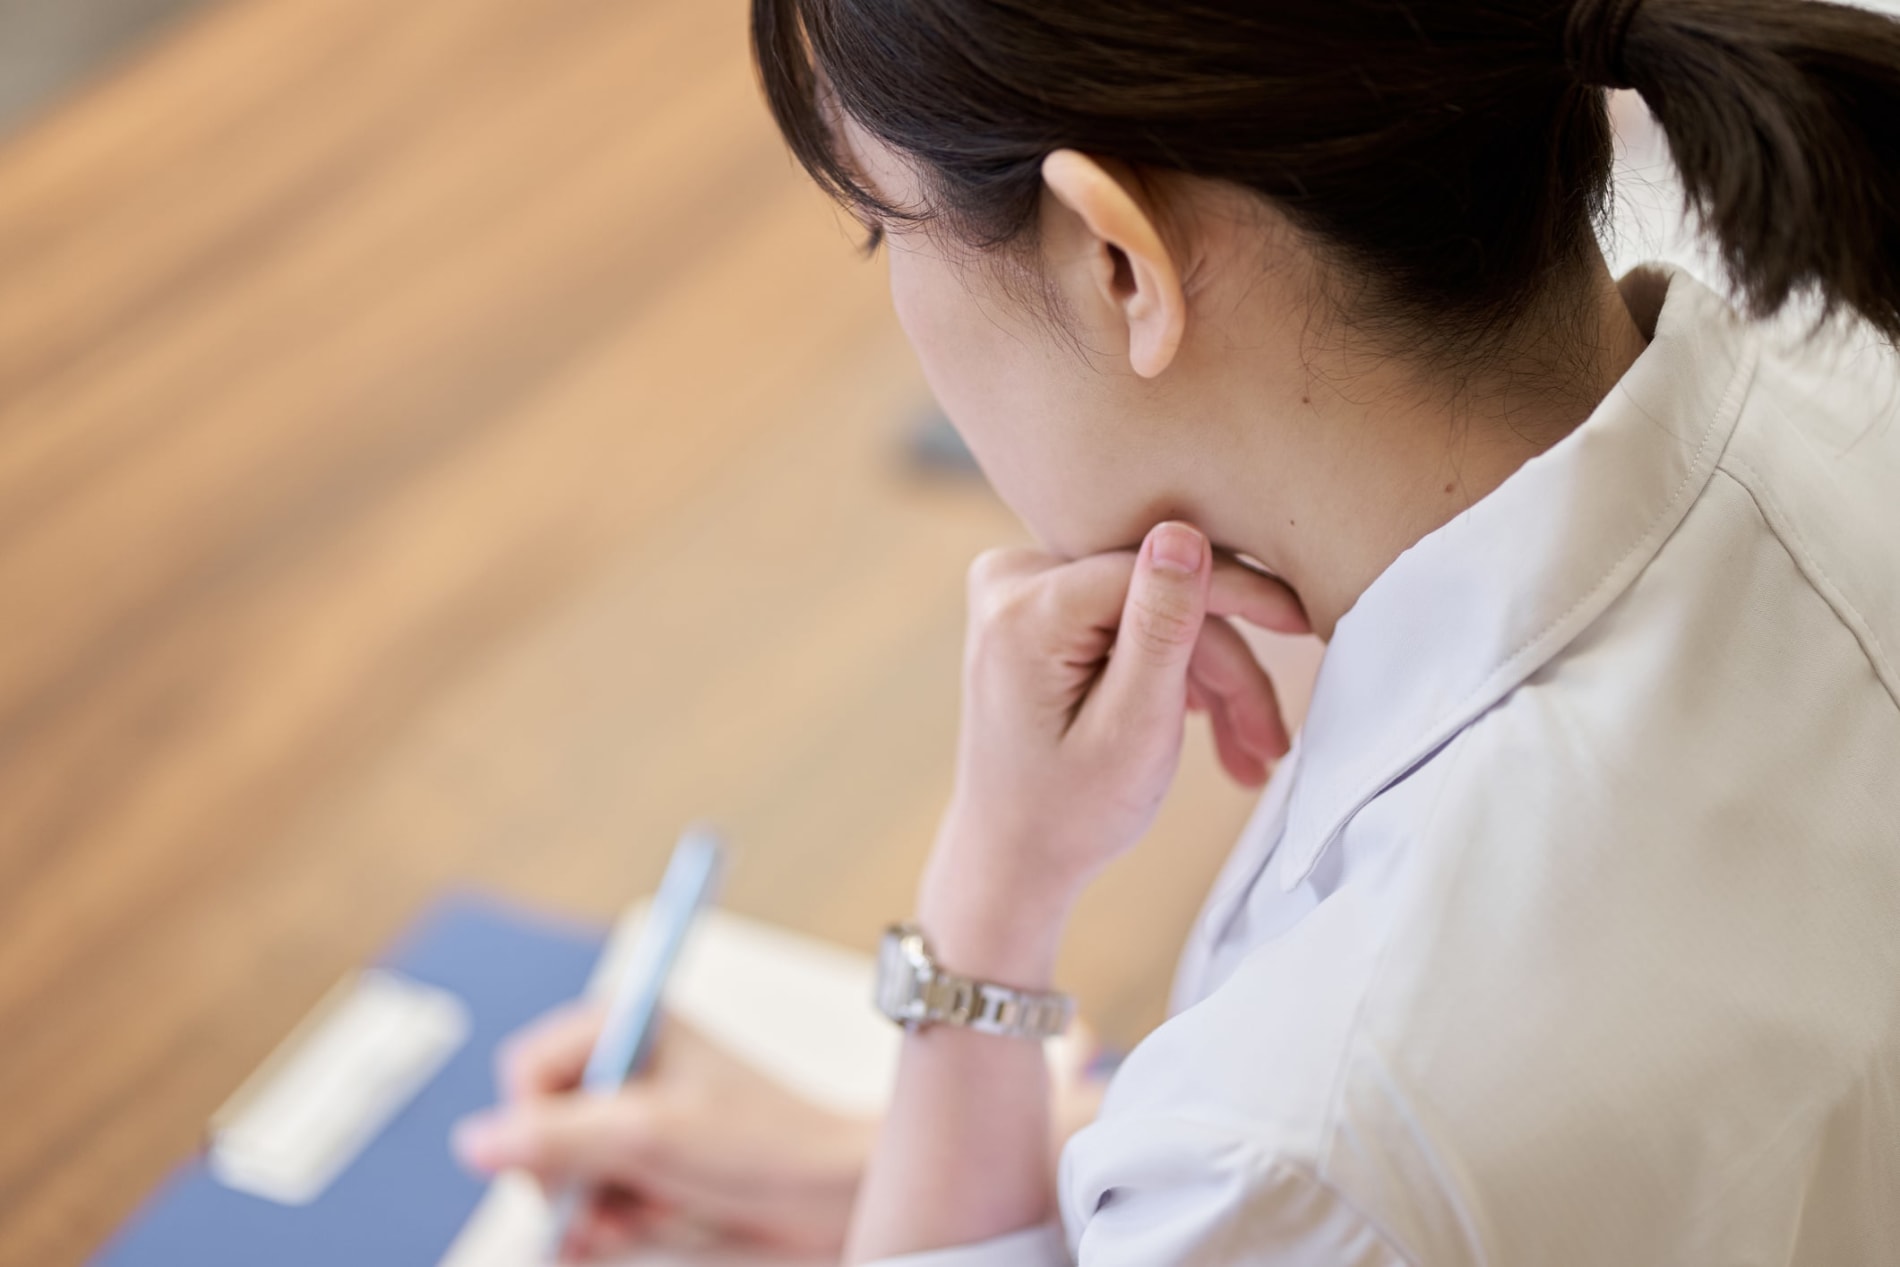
(480, 1142)
(1177, 548)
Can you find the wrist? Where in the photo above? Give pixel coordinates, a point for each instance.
(990, 921)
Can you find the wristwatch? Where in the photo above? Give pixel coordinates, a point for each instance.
(913, 991)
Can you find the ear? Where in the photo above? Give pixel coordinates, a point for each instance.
(1130, 265)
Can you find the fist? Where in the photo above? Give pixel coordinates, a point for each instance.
(1077, 679)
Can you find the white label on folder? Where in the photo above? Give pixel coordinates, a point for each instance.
(334, 1084)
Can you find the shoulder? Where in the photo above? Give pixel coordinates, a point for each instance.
(1817, 454)
(1649, 889)
(1655, 892)
(1224, 1117)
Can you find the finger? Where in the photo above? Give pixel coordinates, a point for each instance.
(1161, 621)
(547, 1057)
(1091, 590)
(1243, 766)
(1196, 702)
(1081, 598)
(1224, 668)
(613, 1221)
(1226, 746)
(1003, 564)
(580, 1240)
(1263, 601)
(1242, 704)
(593, 1140)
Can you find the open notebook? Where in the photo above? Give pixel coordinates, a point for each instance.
(798, 1009)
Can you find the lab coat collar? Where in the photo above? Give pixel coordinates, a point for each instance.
(1478, 605)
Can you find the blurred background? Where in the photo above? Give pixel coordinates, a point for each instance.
(448, 443)
(444, 443)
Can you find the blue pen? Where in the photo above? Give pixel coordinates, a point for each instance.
(627, 1034)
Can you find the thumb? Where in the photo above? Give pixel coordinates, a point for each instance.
(560, 1138)
(1147, 672)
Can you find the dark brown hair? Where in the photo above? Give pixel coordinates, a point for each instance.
(1452, 155)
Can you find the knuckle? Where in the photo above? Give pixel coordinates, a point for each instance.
(514, 1061)
(1004, 608)
(1000, 565)
(993, 566)
(983, 569)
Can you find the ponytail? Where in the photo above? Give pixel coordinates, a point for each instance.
(1783, 117)
(1450, 156)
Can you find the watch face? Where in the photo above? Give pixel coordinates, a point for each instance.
(898, 977)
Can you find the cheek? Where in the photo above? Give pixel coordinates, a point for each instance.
(958, 350)
(1019, 409)
(1086, 459)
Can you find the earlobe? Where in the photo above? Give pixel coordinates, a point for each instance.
(1134, 272)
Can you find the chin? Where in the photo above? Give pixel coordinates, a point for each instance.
(1084, 529)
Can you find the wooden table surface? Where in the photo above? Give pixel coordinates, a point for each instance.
(445, 442)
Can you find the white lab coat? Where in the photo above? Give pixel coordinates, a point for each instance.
(1570, 932)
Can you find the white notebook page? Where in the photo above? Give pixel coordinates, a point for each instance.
(797, 1008)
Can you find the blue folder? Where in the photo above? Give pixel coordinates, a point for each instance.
(404, 1198)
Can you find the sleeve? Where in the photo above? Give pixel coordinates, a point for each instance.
(1181, 1193)
(1033, 1247)
(1170, 1190)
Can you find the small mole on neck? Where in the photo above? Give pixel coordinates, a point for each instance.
(1448, 488)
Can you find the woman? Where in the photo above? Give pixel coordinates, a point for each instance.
(1570, 930)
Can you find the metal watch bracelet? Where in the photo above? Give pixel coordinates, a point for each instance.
(914, 991)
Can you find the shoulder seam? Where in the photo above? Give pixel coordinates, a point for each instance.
(1336, 1092)
(1372, 1225)
(1354, 1035)
(1782, 529)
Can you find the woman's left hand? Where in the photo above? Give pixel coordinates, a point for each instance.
(1078, 676)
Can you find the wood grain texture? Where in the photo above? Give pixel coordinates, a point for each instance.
(445, 443)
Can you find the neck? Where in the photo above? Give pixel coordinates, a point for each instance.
(1386, 456)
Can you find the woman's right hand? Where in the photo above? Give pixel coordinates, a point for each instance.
(700, 1139)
